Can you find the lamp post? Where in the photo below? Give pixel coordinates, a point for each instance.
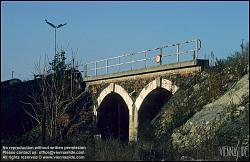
(43, 111)
(55, 27)
(12, 74)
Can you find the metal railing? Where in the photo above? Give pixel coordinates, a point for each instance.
(145, 57)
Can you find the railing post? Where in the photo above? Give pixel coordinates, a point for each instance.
(145, 57)
(95, 68)
(85, 70)
(178, 50)
(106, 66)
(131, 59)
(119, 62)
(161, 56)
(196, 49)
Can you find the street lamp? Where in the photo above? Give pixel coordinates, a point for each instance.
(55, 27)
(12, 73)
(43, 110)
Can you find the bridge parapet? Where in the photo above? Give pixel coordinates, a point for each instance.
(174, 68)
(146, 58)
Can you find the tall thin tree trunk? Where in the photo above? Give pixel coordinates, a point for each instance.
(43, 126)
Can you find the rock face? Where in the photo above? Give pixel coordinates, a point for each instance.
(224, 122)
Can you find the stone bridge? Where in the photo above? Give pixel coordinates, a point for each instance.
(125, 101)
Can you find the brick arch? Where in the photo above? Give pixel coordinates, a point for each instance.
(119, 90)
(159, 82)
(129, 102)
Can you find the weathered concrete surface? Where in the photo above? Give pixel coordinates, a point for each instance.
(222, 121)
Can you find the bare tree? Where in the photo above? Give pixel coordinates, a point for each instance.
(58, 86)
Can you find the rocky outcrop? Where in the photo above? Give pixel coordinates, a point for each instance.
(224, 122)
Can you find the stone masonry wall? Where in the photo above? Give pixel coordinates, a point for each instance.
(136, 84)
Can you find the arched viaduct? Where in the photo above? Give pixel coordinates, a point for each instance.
(124, 102)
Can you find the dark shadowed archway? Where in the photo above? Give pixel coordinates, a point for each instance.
(113, 118)
(150, 107)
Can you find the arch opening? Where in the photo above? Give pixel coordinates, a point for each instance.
(149, 108)
(113, 118)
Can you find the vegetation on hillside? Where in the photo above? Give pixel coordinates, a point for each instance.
(220, 79)
(59, 85)
(227, 71)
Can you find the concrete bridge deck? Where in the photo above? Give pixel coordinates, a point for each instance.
(179, 67)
